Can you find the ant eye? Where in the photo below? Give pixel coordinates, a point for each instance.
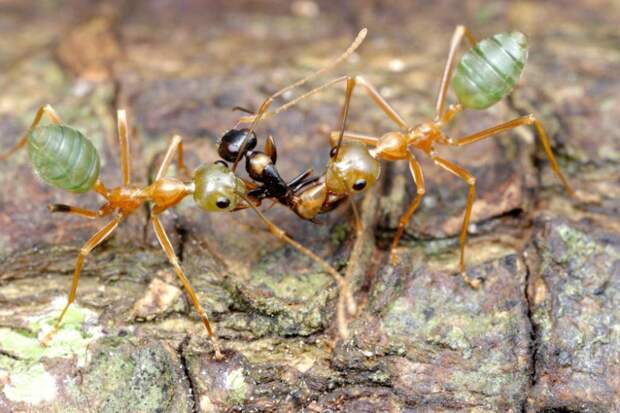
(333, 151)
(222, 203)
(359, 184)
(353, 170)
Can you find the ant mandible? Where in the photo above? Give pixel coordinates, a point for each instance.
(485, 74)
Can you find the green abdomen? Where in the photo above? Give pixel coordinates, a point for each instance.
(64, 157)
(489, 71)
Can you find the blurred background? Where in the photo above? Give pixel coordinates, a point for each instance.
(541, 334)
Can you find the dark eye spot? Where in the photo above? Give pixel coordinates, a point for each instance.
(222, 203)
(359, 184)
(333, 151)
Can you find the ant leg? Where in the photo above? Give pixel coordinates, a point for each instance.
(167, 247)
(359, 227)
(86, 213)
(381, 102)
(259, 114)
(457, 38)
(181, 162)
(95, 240)
(356, 43)
(121, 115)
(43, 110)
(343, 124)
(471, 195)
(291, 103)
(344, 114)
(175, 144)
(341, 281)
(370, 91)
(263, 110)
(356, 137)
(101, 189)
(523, 120)
(418, 178)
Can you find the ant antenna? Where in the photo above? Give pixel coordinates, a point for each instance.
(344, 115)
(242, 109)
(267, 103)
(356, 43)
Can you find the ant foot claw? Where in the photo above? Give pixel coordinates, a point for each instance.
(394, 260)
(474, 283)
(217, 350)
(46, 340)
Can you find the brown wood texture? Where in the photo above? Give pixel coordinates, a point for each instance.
(541, 335)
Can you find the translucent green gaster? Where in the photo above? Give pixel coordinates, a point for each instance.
(490, 70)
(64, 157)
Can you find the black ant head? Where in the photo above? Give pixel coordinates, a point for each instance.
(261, 165)
(230, 144)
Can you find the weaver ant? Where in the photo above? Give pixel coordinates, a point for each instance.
(65, 158)
(486, 73)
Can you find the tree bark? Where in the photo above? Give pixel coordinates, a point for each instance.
(540, 335)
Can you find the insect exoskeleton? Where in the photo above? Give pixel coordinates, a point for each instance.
(232, 141)
(352, 169)
(392, 146)
(63, 157)
(217, 188)
(489, 71)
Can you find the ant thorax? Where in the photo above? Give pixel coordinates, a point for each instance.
(424, 135)
(392, 146)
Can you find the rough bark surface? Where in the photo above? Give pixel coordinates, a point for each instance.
(541, 335)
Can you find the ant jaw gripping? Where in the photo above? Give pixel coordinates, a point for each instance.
(261, 166)
(270, 149)
(232, 142)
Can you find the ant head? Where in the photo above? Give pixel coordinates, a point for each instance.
(217, 188)
(230, 144)
(260, 165)
(352, 170)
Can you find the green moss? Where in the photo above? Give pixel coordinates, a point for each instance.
(577, 253)
(578, 244)
(237, 386)
(380, 376)
(292, 299)
(456, 326)
(31, 384)
(30, 381)
(300, 355)
(302, 287)
(206, 405)
(133, 377)
(70, 340)
(339, 233)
